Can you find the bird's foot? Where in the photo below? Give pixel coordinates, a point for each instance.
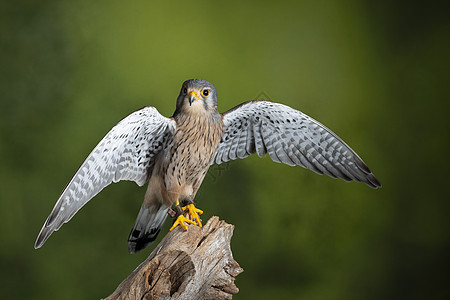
(193, 213)
(180, 221)
(178, 213)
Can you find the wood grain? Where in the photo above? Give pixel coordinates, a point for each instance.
(193, 264)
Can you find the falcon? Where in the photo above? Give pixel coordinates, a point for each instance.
(173, 155)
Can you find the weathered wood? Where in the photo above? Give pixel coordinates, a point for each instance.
(192, 264)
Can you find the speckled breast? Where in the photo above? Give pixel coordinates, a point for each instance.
(194, 146)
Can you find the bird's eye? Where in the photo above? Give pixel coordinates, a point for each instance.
(185, 91)
(205, 93)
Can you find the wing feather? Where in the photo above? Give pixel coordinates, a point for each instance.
(127, 152)
(289, 137)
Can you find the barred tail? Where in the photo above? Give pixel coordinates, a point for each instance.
(147, 226)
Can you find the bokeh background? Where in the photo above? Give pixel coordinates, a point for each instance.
(375, 72)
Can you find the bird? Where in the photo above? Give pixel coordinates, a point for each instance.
(174, 154)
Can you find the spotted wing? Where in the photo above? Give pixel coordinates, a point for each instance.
(290, 137)
(127, 152)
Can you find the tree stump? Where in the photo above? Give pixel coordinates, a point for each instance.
(192, 264)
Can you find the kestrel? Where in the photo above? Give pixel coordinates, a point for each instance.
(174, 154)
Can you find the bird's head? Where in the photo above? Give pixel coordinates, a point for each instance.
(197, 96)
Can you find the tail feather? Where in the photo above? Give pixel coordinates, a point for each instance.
(147, 226)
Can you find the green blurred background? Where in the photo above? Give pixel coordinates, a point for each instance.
(375, 72)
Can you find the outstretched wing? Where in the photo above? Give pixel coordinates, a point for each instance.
(127, 152)
(290, 137)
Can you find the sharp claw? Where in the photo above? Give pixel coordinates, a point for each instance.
(193, 213)
(180, 221)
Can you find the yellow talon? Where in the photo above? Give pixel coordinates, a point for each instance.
(180, 221)
(193, 213)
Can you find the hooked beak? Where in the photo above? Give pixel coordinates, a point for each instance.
(193, 96)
